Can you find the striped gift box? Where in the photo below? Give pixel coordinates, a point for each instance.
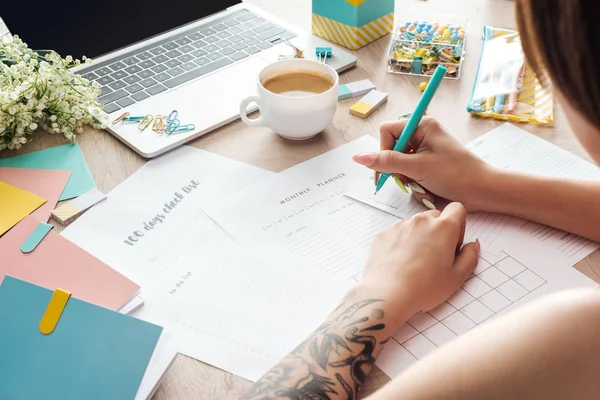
(352, 23)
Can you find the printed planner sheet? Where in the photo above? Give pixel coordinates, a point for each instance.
(514, 149)
(305, 211)
(496, 287)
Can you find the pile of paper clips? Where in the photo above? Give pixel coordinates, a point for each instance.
(163, 124)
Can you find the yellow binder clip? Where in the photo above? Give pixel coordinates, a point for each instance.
(54, 311)
(144, 123)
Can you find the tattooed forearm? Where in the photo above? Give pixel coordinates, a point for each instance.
(333, 362)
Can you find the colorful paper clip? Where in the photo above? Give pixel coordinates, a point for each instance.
(159, 124)
(176, 128)
(172, 117)
(145, 122)
(120, 118)
(132, 120)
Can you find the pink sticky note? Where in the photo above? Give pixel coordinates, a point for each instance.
(48, 184)
(58, 263)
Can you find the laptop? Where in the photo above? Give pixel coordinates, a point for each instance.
(200, 58)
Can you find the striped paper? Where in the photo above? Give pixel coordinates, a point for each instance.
(351, 37)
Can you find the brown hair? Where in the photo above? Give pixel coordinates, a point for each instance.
(559, 39)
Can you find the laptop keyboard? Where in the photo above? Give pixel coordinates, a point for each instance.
(151, 70)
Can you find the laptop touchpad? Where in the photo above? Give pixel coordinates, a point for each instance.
(207, 103)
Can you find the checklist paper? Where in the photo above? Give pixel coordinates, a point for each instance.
(156, 215)
(240, 309)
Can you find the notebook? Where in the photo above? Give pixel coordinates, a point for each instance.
(57, 262)
(92, 353)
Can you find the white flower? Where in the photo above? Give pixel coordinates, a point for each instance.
(37, 92)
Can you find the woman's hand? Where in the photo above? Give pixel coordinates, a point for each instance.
(436, 162)
(418, 263)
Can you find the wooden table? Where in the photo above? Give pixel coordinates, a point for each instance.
(111, 162)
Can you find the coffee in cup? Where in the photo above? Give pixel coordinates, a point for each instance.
(298, 84)
(297, 98)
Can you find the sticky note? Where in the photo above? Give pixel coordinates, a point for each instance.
(55, 308)
(355, 89)
(16, 204)
(36, 237)
(69, 211)
(58, 263)
(368, 104)
(92, 353)
(65, 157)
(48, 184)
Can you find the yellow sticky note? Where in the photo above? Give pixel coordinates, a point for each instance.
(54, 311)
(16, 204)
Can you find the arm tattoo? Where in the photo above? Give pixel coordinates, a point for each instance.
(333, 362)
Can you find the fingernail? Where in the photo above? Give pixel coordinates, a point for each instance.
(429, 204)
(400, 184)
(366, 159)
(415, 187)
(478, 246)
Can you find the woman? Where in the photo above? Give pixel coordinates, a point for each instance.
(546, 350)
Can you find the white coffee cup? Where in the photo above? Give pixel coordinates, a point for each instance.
(294, 118)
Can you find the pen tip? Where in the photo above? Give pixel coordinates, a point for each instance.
(375, 194)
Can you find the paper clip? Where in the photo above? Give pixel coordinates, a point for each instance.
(120, 118)
(173, 116)
(297, 52)
(183, 128)
(145, 122)
(132, 120)
(159, 126)
(171, 126)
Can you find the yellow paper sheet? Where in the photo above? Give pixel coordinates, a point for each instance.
(16, 204)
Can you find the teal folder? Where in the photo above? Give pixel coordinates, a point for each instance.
(92, 354)
(66, 157)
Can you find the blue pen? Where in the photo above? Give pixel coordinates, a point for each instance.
(416, 117)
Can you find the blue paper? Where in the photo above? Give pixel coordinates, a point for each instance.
(93, 354)
(65, 157)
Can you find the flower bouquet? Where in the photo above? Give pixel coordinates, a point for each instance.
(39, 89)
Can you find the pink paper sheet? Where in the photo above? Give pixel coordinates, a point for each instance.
(58, 263)
(48, 184)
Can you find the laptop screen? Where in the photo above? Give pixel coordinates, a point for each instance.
(93, 28)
